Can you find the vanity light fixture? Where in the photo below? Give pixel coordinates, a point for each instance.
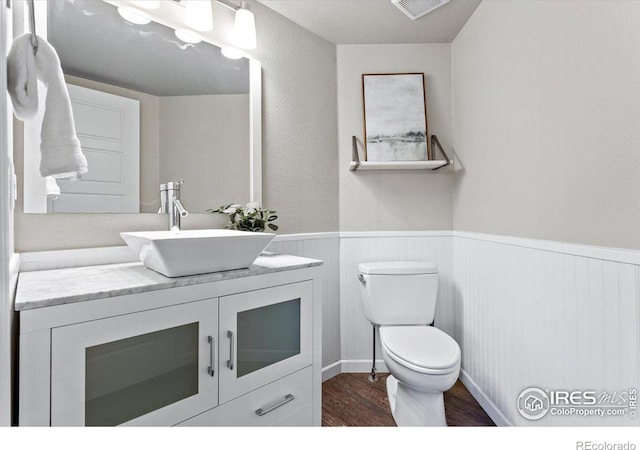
(199, 18)
(187, 36)
(133, 15)
(231, 52)
(199, 14)
(244, 28)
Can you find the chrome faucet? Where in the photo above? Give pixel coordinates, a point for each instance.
(170, 203)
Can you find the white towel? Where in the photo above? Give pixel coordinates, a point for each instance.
(53, 190)
(22, 79)
(61, 154)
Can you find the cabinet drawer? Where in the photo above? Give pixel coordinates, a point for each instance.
(301, 418)
(243, 410)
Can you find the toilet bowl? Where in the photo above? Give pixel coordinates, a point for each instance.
(400, 297)
(423, 362)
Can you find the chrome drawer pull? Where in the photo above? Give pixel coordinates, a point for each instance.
(287, 398)
(231, 358)
(212, 355)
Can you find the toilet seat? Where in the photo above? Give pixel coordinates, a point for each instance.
(422, 348)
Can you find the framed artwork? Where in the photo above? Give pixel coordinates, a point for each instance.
(395, 117)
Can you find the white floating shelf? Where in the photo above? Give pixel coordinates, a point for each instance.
(398, 165)
(433, 164)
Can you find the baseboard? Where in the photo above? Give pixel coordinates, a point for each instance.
(351, 366)
(489, 407)
(331, 371)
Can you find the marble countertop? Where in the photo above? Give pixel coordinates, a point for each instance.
(58, 287)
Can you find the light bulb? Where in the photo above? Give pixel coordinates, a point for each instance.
(133, 16)
(147, 4)
(188, 36)
(231, 52)
(199, 14)
(244, 29)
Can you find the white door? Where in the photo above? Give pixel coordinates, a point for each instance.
(156, 367)
(264, 335)
(108, 127)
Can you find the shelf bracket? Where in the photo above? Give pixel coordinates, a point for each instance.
(435, 142)
(354, 154)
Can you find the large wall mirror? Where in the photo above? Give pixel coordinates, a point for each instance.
(148, 108)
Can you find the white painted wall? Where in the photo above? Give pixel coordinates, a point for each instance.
(393, 200)
(546, 115)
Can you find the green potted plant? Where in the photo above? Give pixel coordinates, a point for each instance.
(249, 218)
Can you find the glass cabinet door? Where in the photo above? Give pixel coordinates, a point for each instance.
(155, 367)
(267, 335)
(264, 335)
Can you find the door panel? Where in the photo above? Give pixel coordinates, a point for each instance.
(108, 127)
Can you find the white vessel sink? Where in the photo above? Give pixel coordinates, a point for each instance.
(193, 252)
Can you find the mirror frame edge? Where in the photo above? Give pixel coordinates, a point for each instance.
(255, 136)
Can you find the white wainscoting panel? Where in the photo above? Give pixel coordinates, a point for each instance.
(355, 248)
(525, 312)
(531, 313)
(324, 246)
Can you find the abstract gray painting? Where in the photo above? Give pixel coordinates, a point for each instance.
(395, 117)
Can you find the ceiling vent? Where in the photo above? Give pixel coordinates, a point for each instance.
(418, 8)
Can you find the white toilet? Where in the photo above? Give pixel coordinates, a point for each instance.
(400, 298)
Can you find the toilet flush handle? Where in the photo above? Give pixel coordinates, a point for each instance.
(362, 278)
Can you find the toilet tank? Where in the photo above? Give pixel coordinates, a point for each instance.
(399, 293)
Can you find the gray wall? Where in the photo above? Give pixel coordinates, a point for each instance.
(546, 115)
(300, 176)
(393, 200)
(205, 140)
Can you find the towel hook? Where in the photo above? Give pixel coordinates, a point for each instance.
(32, 25)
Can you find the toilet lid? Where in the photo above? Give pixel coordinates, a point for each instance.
(422, 346)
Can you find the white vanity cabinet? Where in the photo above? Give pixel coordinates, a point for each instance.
(234, 352)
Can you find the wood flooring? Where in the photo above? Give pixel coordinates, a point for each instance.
(351, 400)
